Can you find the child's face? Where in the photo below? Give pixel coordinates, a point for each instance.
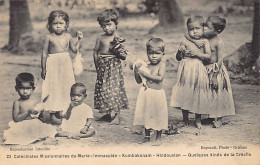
(59, 25)
(77, 96)
(109, 27)
(25, 90)
(209, 29)
(195, 30)
(154, 55)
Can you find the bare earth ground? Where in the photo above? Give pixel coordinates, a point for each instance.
(241, 129)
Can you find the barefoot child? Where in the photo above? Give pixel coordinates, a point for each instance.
(151, 106)
(190, 92)
(110, 95)
(77, 122)
(221, 103)
(57, 71)
(25, 129)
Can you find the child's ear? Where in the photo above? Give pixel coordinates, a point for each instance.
(85, 95)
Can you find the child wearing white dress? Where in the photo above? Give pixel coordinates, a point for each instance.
(77, 122)
(190, 93)
(57, 70)
(151, 105)
(25, 129)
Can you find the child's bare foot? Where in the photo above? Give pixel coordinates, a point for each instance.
(77, 137)
(50, 141)
(157, 142)
(217, 124)
(145, 140)
(116, 121)
(198, 124)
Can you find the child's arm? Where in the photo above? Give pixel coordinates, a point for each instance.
(17, 116)
(203, 56)
(155, 78)
(220, 52)
(44, 56)
(86, 127)
(198, 43)
(75, 46)
(96, 51)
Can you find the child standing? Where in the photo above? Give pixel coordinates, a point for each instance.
(110, 94)
(57, 71)
(151, 106)
(221, 103)
(190, 92)
(77, 122)
(24, 129)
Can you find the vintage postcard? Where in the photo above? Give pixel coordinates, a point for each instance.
(129, 82)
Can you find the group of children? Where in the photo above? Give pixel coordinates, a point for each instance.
(202, 87)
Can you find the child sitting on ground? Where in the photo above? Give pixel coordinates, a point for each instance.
(26, 129)
(77, 123)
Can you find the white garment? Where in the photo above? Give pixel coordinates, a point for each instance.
(58, 81)
(28, 131)
(151, 109)
(78, 118)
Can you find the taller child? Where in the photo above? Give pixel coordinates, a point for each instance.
(110, 94)
(57, 71)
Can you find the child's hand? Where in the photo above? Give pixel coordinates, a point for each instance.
(72, 104)
(79, 35)
(182, 48)
(199, 43)
(43, 74)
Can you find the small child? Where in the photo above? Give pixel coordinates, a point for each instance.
(110, 95)
(57, 70)
(77, 122)
(221, 103)
(25, 129)
(190, 92)
(151, 106)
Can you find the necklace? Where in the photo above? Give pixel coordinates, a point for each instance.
(60, 42)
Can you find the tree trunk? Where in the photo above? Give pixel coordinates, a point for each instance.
(19, 22)
(256, 30)
(245, 62)
(169, 15)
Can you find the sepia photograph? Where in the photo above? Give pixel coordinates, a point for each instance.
(129, 82)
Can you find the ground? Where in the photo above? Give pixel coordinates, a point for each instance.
(241, 129)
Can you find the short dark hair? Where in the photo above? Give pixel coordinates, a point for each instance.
(218, 23)
(79, 85)
(57, 13)
(108, 15)
(155, 42)
(24, 77)
(196, 18)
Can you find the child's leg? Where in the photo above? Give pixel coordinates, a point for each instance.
(218, 122)
(158, 139)
(54, 119)
(185, 115)
(68, 135)
(198, 121)
(90, 132)
(116, 120)
(147, 136)
(106, 117)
